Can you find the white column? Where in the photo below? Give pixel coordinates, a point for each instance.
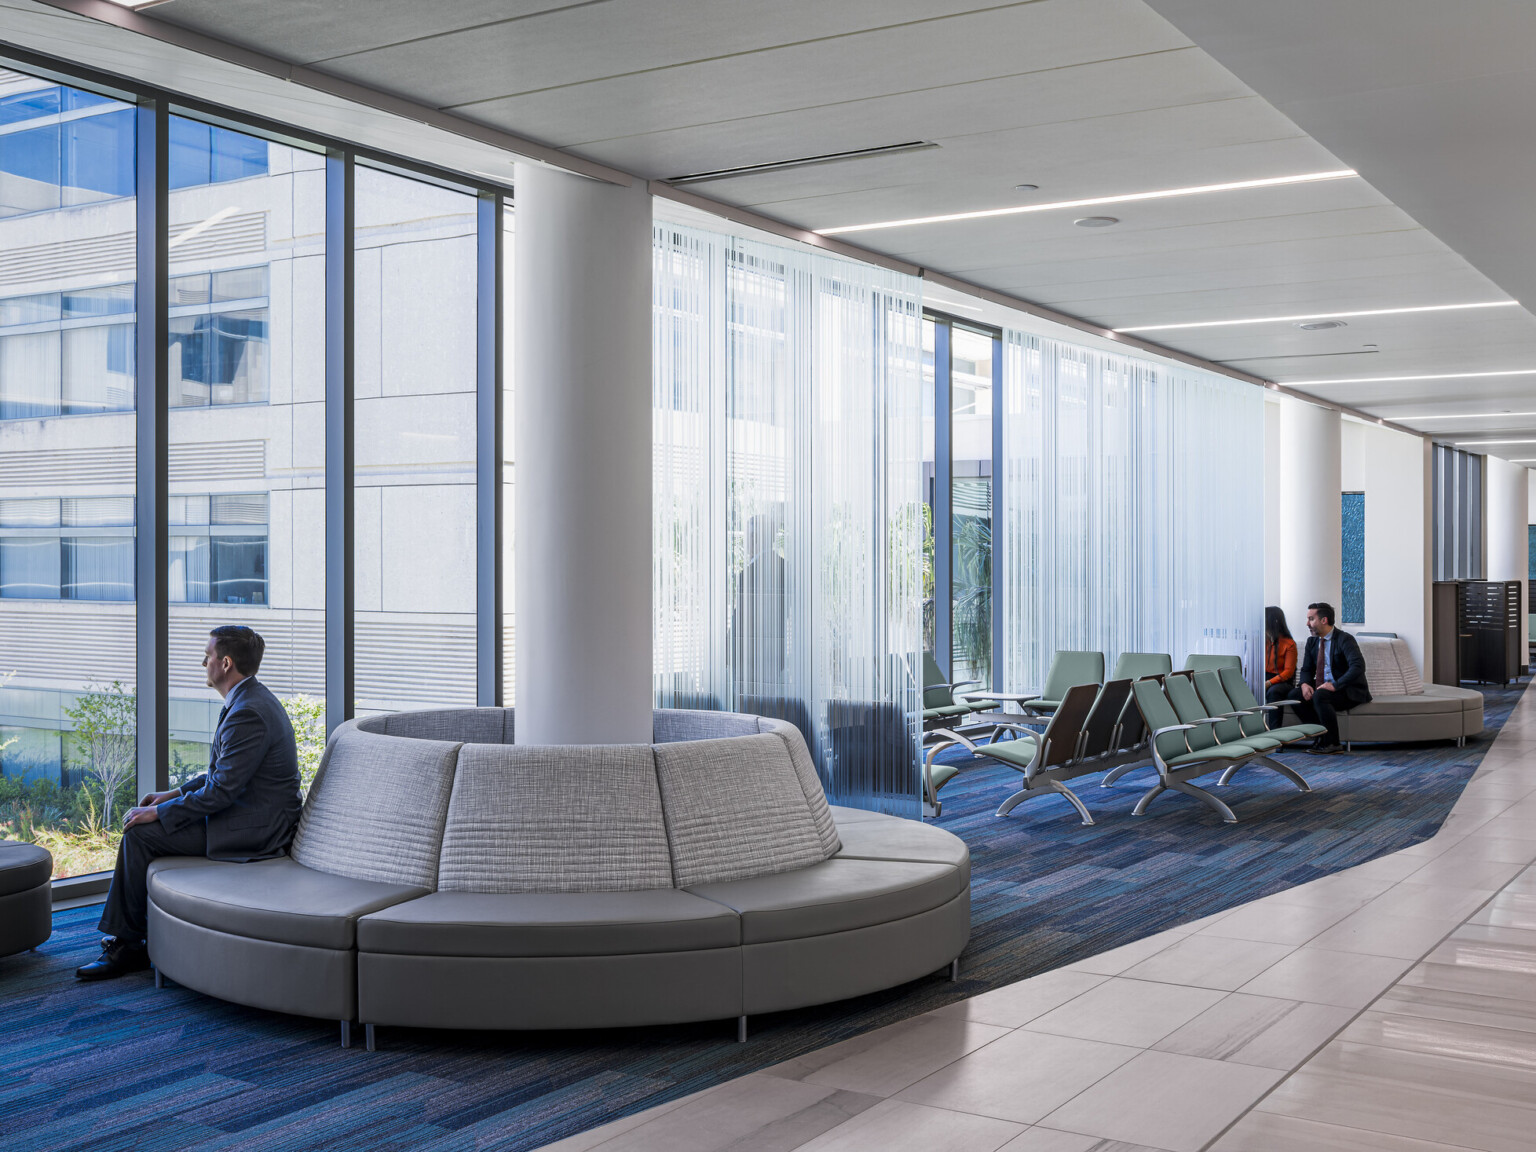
(1310, 514)
(1508, 520)
(583, 450)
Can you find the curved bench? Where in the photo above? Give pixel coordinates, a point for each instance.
(26, 896)
(442, 876)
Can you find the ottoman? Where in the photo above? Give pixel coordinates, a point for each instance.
(26, 896)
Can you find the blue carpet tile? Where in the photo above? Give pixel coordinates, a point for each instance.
(121, 1066)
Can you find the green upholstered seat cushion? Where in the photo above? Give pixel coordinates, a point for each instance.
(942, 774)
(1042, 705)
(1018, 753)
(1296, 732)
(1216, 752)
(946, 710)
(1265, 742)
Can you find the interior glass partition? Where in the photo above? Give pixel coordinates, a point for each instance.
(787, 435)
(970, 505)
(1456, 518)
(246, 532)
(414, 388)
(67, 456)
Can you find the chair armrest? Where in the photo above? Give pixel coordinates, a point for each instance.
(1174, 728)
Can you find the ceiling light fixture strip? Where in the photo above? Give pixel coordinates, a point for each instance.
(1324, 316)
(1094, 201)
(1406, 379)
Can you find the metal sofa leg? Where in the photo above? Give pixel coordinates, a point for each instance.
(954, 970)
(741, 1029)
(346, 1033)
(1204, 797)
(159, 979)
(369, 1041)
(1290, 774)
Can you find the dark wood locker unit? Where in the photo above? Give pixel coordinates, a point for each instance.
(1479, 633)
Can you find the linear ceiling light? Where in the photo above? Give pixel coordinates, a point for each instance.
(1466, 416)
(1323, 316)
(1124, 198)
(1486, 443)
(139, 3)
(1403, 379)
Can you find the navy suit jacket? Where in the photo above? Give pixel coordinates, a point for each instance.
(1346, 666)
(249, 797)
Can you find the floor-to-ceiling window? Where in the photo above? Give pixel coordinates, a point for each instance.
(415, 443)
(67, 454)
(1456, 518)
(246, 367)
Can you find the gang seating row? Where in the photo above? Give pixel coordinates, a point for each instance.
(1111, 730)
(442, 876)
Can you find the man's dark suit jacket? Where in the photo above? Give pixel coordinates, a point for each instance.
(250, 794)
(1346, 667)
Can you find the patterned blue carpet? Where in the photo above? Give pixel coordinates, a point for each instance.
(121, 1066)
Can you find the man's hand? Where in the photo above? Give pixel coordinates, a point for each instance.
(1306, 691)
(153, 798)
(144, 815)
(1328, 687)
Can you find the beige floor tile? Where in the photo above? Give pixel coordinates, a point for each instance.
(1276, 923)
(1020, 1077)
(1487, 808)
(1431, 902)
(897, 1126)
(1478, 981)
(1257, 1030)
(1378, 934)
(1508, 828)
(1124, 1011)
(1165, 1101)
(1016, 1004)
(885, 1061)
(1336, 889)
(1525, 883)
(1453, 871)
(593, 1137)
(1209, 962)
(1039, 1139)
(1322, 976)
(1463, 1007)
(756, 1110)
(1425, 1097)
(1117, 960)
(1492, 848)
(1508, 910)
(1386, 1029)
(1269, 1132)
(1489, 946)
(1436, 845)
(1394, 866)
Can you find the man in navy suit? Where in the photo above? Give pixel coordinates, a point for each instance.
(245, 807)
(1332, 678)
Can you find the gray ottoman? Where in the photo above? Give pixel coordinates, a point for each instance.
(26, 896)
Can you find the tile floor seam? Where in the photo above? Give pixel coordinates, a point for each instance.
(1351, 1021)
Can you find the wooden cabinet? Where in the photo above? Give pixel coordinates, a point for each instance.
(1479, 633)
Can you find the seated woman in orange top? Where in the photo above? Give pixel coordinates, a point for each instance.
(1279, 657)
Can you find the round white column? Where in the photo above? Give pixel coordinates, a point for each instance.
(582, 358)
(1311, 552)
(1508, 538)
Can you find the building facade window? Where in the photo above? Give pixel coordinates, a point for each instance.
(67, 353)
(218, 549)
(218, 338)
(71, 549)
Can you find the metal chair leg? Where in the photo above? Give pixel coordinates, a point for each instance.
(1152, 794)
(1204, 797)
(1290, 774)
(1115, 773)
(1228, 774)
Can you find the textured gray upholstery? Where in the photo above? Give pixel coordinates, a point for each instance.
(376, 808)
(275, 899)
(904, 840)
(455, 725)
(834, 896)
(550, 924)
(844, 815)
(669, 725)
(810, 782)
(549, 818)
(734, 808)
(23, 866)
(261, 973)
(549, 991)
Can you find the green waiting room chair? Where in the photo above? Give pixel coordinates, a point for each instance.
(1068, 670)
(1136, 665)
(1210, 662)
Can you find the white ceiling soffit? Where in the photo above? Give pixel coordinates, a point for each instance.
(1083, 98)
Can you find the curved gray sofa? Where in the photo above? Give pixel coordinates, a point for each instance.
(442, 876)
(26, 896)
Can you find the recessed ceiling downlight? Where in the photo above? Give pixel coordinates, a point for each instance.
(1320, 325)
(1097, 221)
(1026, 187)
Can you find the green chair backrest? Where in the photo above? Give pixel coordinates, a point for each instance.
(1237, 688)
(1186, 702)
(1069, 669)
(1208, 662)
(1530, 623)
(936, 691)
(1158, 713)
(1135, 665)
(1214, 697)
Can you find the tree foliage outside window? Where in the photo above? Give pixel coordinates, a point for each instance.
(106, 749)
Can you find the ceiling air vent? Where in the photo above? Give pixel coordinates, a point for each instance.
(803, 162)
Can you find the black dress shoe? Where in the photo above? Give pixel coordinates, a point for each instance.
(118, 958)
(1321, 749)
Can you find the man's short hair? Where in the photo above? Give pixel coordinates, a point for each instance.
(241, 644)
(1324, 611)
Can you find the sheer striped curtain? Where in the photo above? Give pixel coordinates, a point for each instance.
(1132, 516)
(788, 518)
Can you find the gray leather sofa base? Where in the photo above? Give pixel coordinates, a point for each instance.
(290, 978)
(1441, 712)
(26, 919)
(526, 992)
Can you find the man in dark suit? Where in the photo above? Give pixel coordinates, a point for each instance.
(1332, 678)
(245, 807)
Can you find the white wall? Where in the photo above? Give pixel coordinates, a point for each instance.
(1273, 543)
(1310, 565)
(1508, 519)
(1392, 469)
